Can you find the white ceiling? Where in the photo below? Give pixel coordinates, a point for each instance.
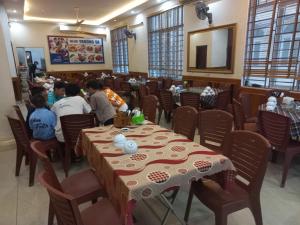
(89, 10)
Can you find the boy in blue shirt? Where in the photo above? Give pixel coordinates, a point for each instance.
(42, 121)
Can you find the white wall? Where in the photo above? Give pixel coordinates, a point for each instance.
(31, 35)
(224, 12)
(7, 69)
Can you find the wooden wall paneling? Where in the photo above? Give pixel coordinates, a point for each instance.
(17, 88)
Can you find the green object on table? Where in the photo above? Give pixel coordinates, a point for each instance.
(138, 119)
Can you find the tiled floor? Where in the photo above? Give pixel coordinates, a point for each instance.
(23, 205)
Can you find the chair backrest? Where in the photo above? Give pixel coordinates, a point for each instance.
(214, 126)
(249, 153)
(65, 206)
(167, 83)
(185, 120)
(19, 113)
(39, 148)
(190, 99)
(166, 100)
(276, 128)
(223, 99)
(109, 82)
(125, 86)
(239, 116)
(19, 132)
(149, 107)
(143, 90)
(153, 87)
(117, 83)
(72, 125)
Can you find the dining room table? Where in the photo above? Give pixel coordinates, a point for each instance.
(289, 110)
(164, 161)
(206, 101)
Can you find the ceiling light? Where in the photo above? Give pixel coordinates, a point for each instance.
(14, 11)
(115, 20)
(132, 12)
(26, 6)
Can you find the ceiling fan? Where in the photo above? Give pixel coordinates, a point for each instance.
(78, 22)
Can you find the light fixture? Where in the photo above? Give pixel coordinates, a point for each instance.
(115, 20)
(14, 11)
(125, 8)
(132, 12)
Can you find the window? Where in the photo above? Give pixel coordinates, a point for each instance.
(119, 47)
(165, 44)
(273, 44)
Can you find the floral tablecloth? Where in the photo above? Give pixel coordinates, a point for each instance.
(164, 160)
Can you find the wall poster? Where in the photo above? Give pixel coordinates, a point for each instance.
(75, 50)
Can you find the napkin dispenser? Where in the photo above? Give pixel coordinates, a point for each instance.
(122, 119)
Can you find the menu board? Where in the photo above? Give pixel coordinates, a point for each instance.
(74, 50)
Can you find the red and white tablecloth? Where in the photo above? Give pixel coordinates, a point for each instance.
(164, 160)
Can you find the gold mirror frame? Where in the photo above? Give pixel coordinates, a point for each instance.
(213, 70)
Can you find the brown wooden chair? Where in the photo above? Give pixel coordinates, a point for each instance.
(246, 102)
(109, 82)
(185, 121)
(125, 86)
(67, 211)
(24, 149)
(190, 99)
(166, 104)
(117, 84)
(240, 122)
(214, 126)
(167, 83)
(223, 99)
(71, 127)
(276, 128)
(83, 186)
(248, 152)
(150, 103)
(153, 87)
(142, 92)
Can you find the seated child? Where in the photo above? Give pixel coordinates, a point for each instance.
(42, 121)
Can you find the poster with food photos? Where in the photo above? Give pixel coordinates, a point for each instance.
(74, 50)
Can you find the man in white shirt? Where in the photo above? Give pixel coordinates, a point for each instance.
(72, 104)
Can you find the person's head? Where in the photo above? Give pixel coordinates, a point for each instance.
(36, 63)
(92, 86)
(39, 91)
(59, 88)
(72, 90)
(38, 101)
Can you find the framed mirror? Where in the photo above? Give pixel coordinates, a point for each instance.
(212, 50)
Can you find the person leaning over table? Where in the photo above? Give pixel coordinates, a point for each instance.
(104, 110)
(71, 104)
(114, 98)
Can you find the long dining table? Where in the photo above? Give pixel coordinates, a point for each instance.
(164, 160)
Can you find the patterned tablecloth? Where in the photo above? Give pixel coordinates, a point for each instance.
(205, 101)
(293, 113)
(164, 160)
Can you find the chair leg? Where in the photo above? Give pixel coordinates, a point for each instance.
(26, 159)
(67, 161)
(274, 156)
(256, 211)
(287, 161)
(50, 214)
(188, 206)
(220, 218)
(32, 168)
(19, 158)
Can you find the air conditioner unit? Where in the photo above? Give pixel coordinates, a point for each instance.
(69, 29)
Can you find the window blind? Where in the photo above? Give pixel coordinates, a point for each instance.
(165, 44)
(272, 49)
(119, 47)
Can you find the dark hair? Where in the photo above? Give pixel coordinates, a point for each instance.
(38, 101)
(94, 84)
(37, 90)
(59, 85)
(72, 89)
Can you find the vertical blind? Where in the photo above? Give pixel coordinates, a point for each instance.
(119, 47)
(273, 44)
(165, 44)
